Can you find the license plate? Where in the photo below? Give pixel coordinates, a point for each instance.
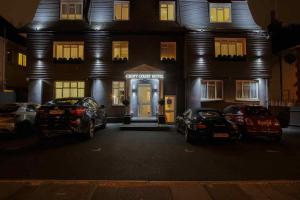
(221, 135)
(56, 112)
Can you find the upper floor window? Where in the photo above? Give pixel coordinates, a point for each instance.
(121, 10)
(230, 47)
(167, 11)
(71, 10)
(220, 12)
(168, 50)
(211, 90)
(22, 60)
(68, 50)
(247, 90)
(120, 50)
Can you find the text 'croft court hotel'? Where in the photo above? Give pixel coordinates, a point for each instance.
(189, 52)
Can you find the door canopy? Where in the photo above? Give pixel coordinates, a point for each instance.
(144, 72)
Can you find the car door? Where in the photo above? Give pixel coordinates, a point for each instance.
(97, 112)
(31, 112)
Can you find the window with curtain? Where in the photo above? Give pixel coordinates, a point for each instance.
(120, 49)
(230, 46)
(211, 90)
(121, 10)
(71, 10)
(68, 50)
(220, 12)
(167, 10)
(66, 89)
(118, 93)
(247, 90)
(168, 50)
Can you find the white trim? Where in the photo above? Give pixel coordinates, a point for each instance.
(216, 90)
(68, 2)
(175, 9)
(121, 2)
(220, 5)
(247, 81)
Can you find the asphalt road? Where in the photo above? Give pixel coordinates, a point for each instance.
(160, 156)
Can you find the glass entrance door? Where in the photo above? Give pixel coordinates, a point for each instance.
(144, 100)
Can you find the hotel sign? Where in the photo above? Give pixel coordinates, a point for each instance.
(144, 76)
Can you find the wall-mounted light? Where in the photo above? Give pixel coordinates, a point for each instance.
(97, 28)
(38, 27)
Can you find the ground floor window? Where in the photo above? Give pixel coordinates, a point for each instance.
(247, 90)
(118, 92)
(211, 90)
(66, 89)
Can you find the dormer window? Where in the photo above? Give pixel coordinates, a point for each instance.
(71, 10)
(220, 12)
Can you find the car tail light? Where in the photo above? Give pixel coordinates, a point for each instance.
(78, 111)
(249, 122)
(200, 126)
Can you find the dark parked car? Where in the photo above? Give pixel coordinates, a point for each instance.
(17, 118)
(206, 124)
(254, 121)
(70, 115)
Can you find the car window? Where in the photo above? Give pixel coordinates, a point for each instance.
(257, 111)
(64, 102)
(209, 114)
(8, 108)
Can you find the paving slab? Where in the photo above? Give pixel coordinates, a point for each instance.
(186, 192)
(226, 192)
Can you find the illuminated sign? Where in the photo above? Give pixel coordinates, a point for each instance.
(144, 76)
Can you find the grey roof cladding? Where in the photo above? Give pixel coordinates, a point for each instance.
(191, 14)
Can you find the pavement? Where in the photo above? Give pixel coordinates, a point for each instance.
(146, 190)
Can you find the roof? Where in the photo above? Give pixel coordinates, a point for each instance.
(10, 32)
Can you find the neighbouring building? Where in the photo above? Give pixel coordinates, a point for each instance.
(191, 53)
(13, 62)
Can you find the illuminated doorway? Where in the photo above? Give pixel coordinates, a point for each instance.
(144, 100)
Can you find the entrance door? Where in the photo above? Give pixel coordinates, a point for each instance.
(170, 106)
(144, 100)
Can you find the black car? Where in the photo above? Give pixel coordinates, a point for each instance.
(70, 115)
(207, 124)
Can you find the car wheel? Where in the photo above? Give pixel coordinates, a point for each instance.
(91, 130)
(187, 135)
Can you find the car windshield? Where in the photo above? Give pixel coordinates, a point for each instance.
(209, 114)
(8, 108)
(64, 102)
(257, 111)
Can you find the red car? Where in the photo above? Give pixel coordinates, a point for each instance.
(254, 121)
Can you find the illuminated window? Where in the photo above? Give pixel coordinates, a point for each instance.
(121, 10)
(71, 10)
(168, 50)
(247, 90)
(68, 50)
(66, 89)
(220, 12)
(211, 90)
(22, 60)
(167, 11)
(230, 46)
(118, 92)
(120, 49)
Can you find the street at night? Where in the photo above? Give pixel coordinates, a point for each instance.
(153, 156)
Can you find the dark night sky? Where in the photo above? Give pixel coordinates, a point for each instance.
(20, 12)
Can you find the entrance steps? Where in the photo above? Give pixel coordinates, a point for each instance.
(145, 127)
(144, 120)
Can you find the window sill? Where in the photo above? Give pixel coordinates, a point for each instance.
(120, 60)
(168, 60)
(231, 58)
(248, 100)
(211, 100)
(70, 61)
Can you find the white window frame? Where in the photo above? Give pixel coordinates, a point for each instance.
(220, 6)
(168, 43)
(243, 95)
(56, 88)
(228, 41)
(167, 2)
(113, 49)
(122, 4)
(216, 90)
(118, 98)
(68, 3)
(68, 43)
